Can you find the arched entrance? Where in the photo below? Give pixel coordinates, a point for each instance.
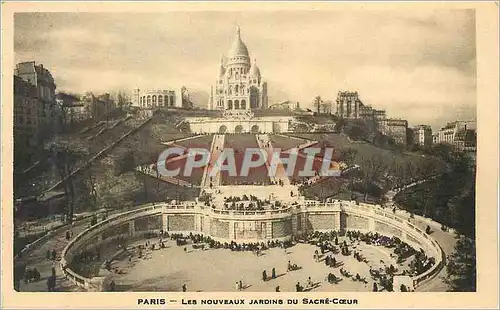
(236, 105)
(255, 129)
(238, 129)
(230, 105)
(276, 128)
(243, 105)
(223, 129)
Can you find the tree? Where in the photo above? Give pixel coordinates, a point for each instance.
(326, 107)
(122, 99)
(372, 170)
(339, 125)
(461, 268)
(357, 132)
(65, 161)
(348, 156)
(317, 103)
(125, 162)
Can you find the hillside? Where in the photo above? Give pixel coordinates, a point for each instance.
(379, 169)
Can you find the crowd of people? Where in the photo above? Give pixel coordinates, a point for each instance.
(326, 242)
(255, 204)
(256, 247)
(328, 245)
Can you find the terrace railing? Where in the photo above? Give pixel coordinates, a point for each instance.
(365, 209)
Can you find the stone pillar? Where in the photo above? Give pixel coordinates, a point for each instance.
(164, 222)
(269, 230)
(337, 220)
(131, 228)
(198, 224)
(371, 224)
(231, 230)
(294, 224)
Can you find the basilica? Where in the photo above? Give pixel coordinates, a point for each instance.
(239, 85)
(239, 91)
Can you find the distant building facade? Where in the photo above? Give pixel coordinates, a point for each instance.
(27, 115)
(161, 98)
(97, 107)
(351, 107)
(394, 128)
(239, 84)
(73, 110)
(42, 80)
(286, 105)
(460, 134)
(422, 135)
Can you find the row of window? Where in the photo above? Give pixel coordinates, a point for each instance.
(237, 105)
(152, 99)
(242, 77)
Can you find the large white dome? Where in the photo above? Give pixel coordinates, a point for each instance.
(238, 48)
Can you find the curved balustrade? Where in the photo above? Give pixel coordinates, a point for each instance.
(371, 212)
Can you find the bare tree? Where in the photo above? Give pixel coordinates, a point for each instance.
(317, 103)
(65, 163)
(372, 171)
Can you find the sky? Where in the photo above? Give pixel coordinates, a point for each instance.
(418, 65)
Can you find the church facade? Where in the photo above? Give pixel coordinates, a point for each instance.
(238, 90)
(239, 85)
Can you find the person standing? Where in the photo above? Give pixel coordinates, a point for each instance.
(112, 286)
(49, 284)
(238, 288)
(241, 285)
(264, 276)
(298, 288)
(184, 287)
(309, 282)
(277, 289)
(273, 273)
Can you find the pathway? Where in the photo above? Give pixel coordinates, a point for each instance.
(446, 240)
(36, 257)
(150, 170)
(215, 152)
(179, 140)
(280, 172)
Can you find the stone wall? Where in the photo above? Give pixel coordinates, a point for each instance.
(282, 228)
(181, 222)
(356, 222)
(321, 221)
(122, 229)
(250, 230)
(219, 229)
(149, 223)
(387, 230)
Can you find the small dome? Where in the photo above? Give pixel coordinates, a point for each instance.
(222, 69)
(254, 70)
(238, 48)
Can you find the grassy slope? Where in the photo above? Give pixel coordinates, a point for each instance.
(364, 151)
